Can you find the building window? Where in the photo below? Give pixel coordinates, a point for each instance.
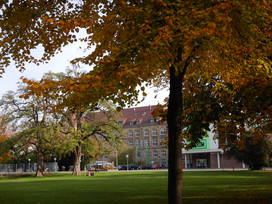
(99, 137)
(157, 119)
(146, 132)
(138, 154)
(152, 120)
(137, 122)
(146, 142)
(137, 133)
(155, 153)
(154, 142)
(163, 131)
(163, 153)
(130, 133)
(154, 132)
(145, 155)
(131, 123)
(121, 123)
(162, 140)
(130, 143)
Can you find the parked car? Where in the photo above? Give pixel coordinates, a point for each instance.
(164, 166)
(156, 167)
(122, 167)
(145, 167)
(128, 167)
(132, 167)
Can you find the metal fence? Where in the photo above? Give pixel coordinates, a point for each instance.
(28, 167)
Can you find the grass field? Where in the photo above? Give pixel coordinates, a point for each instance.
(138, 187)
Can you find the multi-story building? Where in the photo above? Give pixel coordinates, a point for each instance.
(147, 136)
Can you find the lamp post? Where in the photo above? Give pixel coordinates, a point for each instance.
(116, 157)
(29, 164)
(55, 164)
(127, 161)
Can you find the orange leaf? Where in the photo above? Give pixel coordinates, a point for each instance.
(45, 18)
(35, 86)
(170, 22)
(50, 20)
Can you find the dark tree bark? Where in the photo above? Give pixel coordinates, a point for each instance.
(174, 120)
(39, 171)
(77, 159)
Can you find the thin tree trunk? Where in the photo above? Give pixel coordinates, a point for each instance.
(77, 159)
(39, 171)
(174, 120)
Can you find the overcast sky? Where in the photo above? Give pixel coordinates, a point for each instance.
(59, 63)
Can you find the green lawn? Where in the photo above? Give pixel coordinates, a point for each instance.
(138, 187)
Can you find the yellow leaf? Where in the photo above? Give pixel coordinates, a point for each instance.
(61, 22)
(50, 20)
(45, 19)
(35, 86)
(170, 22)
(25, 80)
(212, 25)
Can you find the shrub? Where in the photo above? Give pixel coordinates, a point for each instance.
(105, 168)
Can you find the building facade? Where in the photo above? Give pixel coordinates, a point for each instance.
(147, 136)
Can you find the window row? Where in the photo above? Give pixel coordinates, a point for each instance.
(137, 122)
(155, 142)
(154, 153)
(137, 133)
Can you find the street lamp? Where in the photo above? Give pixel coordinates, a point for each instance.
(127, 161)
(29, 164)
(116, 157)
(55, 164)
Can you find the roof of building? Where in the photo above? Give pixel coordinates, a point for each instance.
(138, 116)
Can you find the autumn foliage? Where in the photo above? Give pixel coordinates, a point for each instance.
(139, 43)
(4, 135)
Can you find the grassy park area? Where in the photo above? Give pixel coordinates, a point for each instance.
(138, 187)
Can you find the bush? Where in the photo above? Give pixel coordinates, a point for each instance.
(255, 154)
(105, 168)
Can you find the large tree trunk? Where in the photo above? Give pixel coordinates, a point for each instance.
(39, 171)
(174, 120)
(77, 159)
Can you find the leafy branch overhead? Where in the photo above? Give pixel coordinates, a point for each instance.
(139, 43)
(232, 38)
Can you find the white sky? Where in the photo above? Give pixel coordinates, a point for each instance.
(59, 63)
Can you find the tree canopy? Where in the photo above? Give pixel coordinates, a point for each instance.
(34, 125)
(141, 43)
(81, 121)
